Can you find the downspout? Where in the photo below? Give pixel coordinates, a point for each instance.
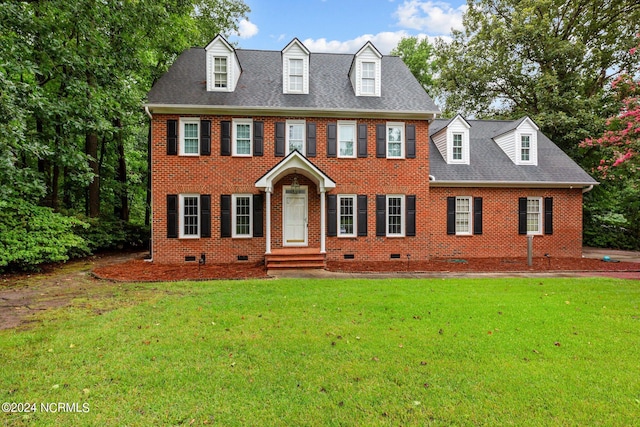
(433, 178)
(146, 110)
(587, 189)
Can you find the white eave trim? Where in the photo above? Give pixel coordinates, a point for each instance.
(291, 112)
(512, 184)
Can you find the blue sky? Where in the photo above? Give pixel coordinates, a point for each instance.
(343, 26)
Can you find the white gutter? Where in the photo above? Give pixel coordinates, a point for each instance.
(587, 189)
(146, 110)
(522, 184)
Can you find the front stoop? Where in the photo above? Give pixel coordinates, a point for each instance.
(295, 258)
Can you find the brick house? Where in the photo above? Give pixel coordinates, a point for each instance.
(281, 156)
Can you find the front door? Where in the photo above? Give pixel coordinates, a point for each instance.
(294, 216)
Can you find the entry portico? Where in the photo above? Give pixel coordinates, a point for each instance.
(297, 164)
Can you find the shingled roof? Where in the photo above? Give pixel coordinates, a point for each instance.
(260, 87)
(490, 166)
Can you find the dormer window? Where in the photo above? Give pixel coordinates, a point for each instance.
(296, 76)
(220, 76)
(457, 146)
(525, 148)
(519, 141)
(223, 68)
(295, 68)
(366, 71)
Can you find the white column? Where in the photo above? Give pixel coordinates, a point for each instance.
(323, 249)
(268, 219)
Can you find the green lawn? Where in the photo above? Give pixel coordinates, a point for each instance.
(335, 352)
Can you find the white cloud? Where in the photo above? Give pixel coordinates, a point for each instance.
(247, 29)
(432, 17)
(384, 42)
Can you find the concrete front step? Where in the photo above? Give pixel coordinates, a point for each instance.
(295, 258)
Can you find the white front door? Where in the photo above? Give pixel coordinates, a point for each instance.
(294, 216)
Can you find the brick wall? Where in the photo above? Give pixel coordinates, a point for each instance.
(500, 224)
(218, 174)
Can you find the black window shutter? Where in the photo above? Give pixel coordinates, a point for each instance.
(311, 139)
(225, 138)
(522, 215)
(280, 139)
(205, 137)
(258, 227)
(332, 215)
(410, 229)
(381, 141)
(258, 138)
(381, 217)
(172, 137)
(548, 215)
(477, 215)
(411, 141)
(451, 215)
(362, 215)
(205, 215)
(225, 215)
(332, 140)
(362, 140)
(172, 216)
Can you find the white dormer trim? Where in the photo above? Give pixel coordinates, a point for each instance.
(218, 52)
(511, 142)
(444, 141)
(366, 71)
(295, 67)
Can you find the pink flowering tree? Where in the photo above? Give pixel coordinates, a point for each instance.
(619, 145)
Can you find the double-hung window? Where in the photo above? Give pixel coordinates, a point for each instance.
(463, 215)
(242, 137)
(395, 140)
(347, 216)
(241, 218)
(395, 215)
(534, 215)
(189, 136)
(525, 148)
(189, 215)
(346, 139)
(368, 83)
(220, 72)
(295, 75)
(295, 136)
(457, 146)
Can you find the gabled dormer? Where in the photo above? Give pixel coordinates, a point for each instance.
(295, 68)
(366, 71)
(223, 68)
(519, 141)
(453, 141)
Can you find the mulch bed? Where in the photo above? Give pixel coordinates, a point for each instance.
(139, 270)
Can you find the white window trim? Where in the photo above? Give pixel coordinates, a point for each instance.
(234, 217)
(470, 232)
(362, 78)
(462, 158)
(290, 74)
(234, 140)
(540, 216)
(304, 136)
(181, 217)
(355, 137)
(403, 222)
(213, 73)
(183, 121)
(354, 199)
(531, 160)
(402, 139)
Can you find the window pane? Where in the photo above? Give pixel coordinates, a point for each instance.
(525, 147)
(346, 215)
(243, 138)
(295, 138)
(191, 140)
(394, 216)
(220, 72)
(243, 216)
(457, 146)
(368, 70)
(394, 141)
(533, 215)
(190, 216)
(463, 215)
(347, 136)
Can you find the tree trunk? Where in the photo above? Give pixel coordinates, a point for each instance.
(93, 191)
(121, 176)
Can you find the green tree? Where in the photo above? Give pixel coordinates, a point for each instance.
(418, 55)
(549, 59)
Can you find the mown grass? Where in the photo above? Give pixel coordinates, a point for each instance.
(336, 352)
